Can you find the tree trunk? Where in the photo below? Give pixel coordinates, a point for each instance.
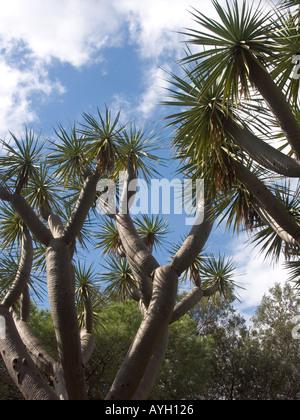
(148, 336)
(62, 302)
(147, 383)
(20, 365)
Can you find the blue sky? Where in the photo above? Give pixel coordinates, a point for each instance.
(60, 58)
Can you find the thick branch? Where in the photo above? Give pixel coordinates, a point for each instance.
(23, 273)
(262, 152)
(267, 201)
(25, 304)
(82, 208)
(277, 103)
(39, 355)
(30, 219)
(20, 365)
(87, 346)
(274, 225)
(194, 243)
(86, 337)
(187, 303)
(138, 255)
(147, 383)
(148, 336)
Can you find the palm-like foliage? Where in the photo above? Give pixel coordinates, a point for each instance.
(220, 271)
(136, 146)
(43, 193)
(242, 32)
(153, 231)
(118, 278)
(11, 228)
(200, 141)
(87, 284)
(22, 159)
(287, 36)
(69, 155)
(102, 135)
(108, 238)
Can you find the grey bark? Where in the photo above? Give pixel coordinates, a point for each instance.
(20, 365)
(25, 304)
(277, 102)
(195, 242)
(30, 219)
(82, 208)
(23, 273)
(62, 302)
(149, 335)
(267, 201)
(151, 373)
(44, 362)
(262, 152)
(139, 257)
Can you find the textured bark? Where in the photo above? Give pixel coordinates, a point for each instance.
(62, 302)
(274, 225)
(148, 336)
(25, 305)
(277, 103)
(87, 346)
(20, 365)
(262, 152)
(38, 354)
(147, 383)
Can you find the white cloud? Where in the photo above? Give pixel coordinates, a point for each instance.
(69, 30)
(77, 32)
(155, 24)
(16, 88)
(154, 92)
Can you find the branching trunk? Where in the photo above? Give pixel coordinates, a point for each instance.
(148, 336)
(62, 302)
